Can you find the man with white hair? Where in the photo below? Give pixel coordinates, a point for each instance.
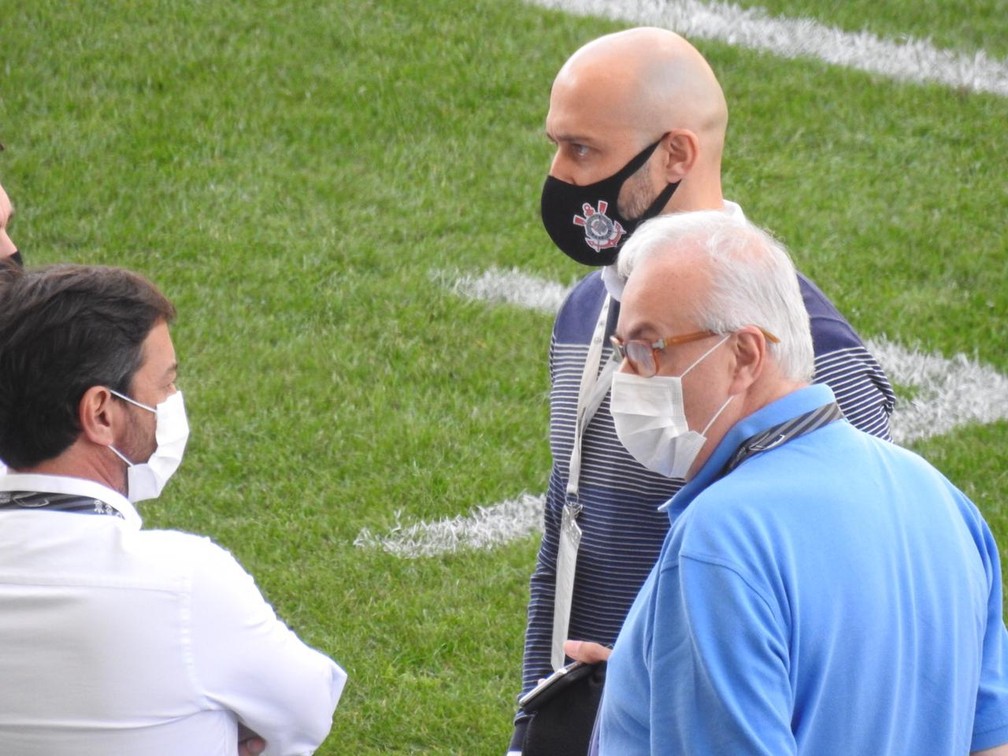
(820, 590)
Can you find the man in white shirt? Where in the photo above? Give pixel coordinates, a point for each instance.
(118, 640)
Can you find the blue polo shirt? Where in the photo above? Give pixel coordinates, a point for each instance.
(835, 594)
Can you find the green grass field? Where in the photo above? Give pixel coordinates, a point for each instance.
(299, 178)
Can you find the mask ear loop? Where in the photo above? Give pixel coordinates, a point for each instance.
(702, 356)
(716, 416)
(133, 401)
(138, 404)
(697, 362)
(120, 455)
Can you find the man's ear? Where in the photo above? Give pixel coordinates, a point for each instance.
(95, 414)
(680, 148)
(750, 352)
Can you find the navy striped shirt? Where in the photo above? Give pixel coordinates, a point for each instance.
(622, 528)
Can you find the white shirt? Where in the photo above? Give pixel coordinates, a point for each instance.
(121, 641)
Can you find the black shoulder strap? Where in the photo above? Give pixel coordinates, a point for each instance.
(784, 432)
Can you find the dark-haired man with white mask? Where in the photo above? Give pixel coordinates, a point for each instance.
(118, 640)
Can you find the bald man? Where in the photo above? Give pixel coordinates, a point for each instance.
(638, 119)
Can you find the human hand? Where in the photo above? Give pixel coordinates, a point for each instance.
(586, 651)
(251, 747)
(249, 744)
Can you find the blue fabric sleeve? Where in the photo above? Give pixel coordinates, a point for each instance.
(990, 728)
(740, 699)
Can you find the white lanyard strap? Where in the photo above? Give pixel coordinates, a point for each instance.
(593, 388)
(591, 392)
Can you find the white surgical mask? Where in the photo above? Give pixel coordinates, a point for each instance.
(650, 420)
(146, 480)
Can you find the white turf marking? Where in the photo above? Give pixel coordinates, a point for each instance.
(908, 59)
(485, 528)
(511, 287)
(947, 393)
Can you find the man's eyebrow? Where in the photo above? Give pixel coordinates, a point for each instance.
(645, 331)
(639, 333)
(566, 136)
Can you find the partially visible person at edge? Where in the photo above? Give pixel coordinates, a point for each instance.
(820, 590)
(638, 119)
(118, 640)
(8, 249)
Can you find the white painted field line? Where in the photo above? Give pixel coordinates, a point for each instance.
(485, 528)
(948, 393)
(911, 59)
(512, 287)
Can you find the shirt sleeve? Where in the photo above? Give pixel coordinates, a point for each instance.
(843, 362)
(990, 726)
(542, 590)
(735, 696)
(247, 661)
(536, 662)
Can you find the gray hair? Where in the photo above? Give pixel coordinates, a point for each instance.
(753, 280)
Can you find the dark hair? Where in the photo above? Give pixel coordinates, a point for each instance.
(64, 329)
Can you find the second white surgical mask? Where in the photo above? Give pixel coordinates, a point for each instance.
(146, 480)
(650, 419)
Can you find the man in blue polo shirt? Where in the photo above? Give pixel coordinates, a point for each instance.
(820, 590)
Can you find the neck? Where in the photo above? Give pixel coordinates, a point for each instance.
(767, 393)
(700, 188)
(93, 462)
(691, 197)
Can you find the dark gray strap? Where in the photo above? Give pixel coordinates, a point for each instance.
(784, 432)
(56, 502)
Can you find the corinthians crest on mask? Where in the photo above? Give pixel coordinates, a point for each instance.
(601, 231)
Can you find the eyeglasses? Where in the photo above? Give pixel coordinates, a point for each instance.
(643, 355)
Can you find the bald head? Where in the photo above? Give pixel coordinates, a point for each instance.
(623, 91)
(649, 80)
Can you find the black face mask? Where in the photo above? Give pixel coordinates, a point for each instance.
(585, 222)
